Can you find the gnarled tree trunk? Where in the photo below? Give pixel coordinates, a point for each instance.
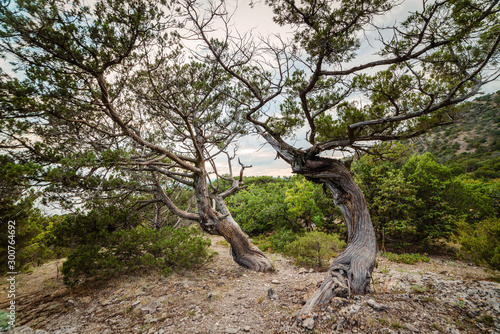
(222, 223)
(351, 270)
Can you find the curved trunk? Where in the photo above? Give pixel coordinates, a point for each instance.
(222, 223)
(351, 270)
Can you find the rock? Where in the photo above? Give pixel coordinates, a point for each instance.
(376, 306)
(149, 308)
(412, 328)
(230, 330)
(271, 294)
(303, 271)
(23, 330)
(353, 308)
(69, 303)
(247, 328)
(311, 270)
(308, 323)
(135, 304)
(275, 281)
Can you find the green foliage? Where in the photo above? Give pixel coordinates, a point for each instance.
(481, 241)
(416, 200)
(275, 242)
(280, 240)
(260, 207)
(299, 200)
(408, 258)
(17, 204)
(4, 320)
(314, 249)
(93, 227)
(137, 250)
(475, 133)
(270, 204)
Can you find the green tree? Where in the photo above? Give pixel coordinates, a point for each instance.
(437, 57)
(300, 204)
(105, 100)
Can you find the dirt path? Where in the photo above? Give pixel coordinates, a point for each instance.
(436, 297)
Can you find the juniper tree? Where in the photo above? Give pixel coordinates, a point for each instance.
(422, 67)
(107, 101)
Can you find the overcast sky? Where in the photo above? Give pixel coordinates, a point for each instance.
(258, 19)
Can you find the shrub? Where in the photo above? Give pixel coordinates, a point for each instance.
(141, 249)
(314, 249)
(275, 242)
(406, 257)
(481, 242)
(281, 239)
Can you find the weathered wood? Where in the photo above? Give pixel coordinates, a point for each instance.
(351, 270)
(222, 223)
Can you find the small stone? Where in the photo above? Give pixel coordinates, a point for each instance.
(271, 294)
(149, 308)
(311, 270)
(308, 323)
(275, 281)
(135, 304)
(376, 306)
(70, 302)
(303, 271)
(231, 330)
(353, 308)
(247, 328)
(412, 328)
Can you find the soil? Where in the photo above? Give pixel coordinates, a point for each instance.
(442, 296)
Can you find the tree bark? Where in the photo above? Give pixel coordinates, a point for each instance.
(222, 223)
(351, 270)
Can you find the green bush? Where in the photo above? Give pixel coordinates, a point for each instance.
(406, 257)
(314, 249)
(138, 250)
(416, 200)
(481, 242)
(281, 239)
(275, 242)
(271, 204)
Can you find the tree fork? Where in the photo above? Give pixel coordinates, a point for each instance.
(351, 270)
(222, 223)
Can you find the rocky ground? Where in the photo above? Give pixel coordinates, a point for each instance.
(441, 296)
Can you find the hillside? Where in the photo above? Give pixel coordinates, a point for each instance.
(472, 142)
(441, 296)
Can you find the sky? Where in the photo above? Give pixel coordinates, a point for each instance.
(258, 19)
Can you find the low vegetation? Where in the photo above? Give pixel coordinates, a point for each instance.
(137, 251)
(418, 203)
(315, 249)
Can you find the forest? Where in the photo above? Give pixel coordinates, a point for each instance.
(119, 114)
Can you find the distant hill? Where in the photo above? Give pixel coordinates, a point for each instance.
(472, 144)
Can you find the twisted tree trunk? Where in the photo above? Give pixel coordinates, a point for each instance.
(351, 270)
(222, 223)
